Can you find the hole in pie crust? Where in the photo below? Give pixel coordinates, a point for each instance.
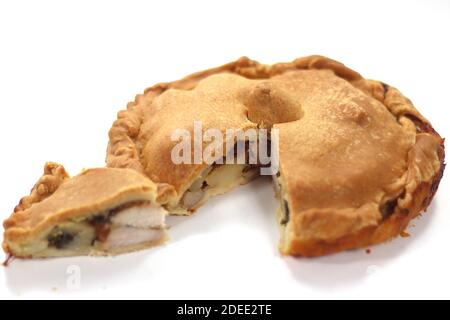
(388, 208)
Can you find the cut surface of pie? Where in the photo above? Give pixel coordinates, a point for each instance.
(357, 160)
(102, 211)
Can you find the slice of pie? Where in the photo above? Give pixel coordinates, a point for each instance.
(357, 160)
(99, 212)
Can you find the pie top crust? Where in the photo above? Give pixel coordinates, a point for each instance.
(348, 155)
(355, 154)
(56, 198)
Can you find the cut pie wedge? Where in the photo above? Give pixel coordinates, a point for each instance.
(99, 212)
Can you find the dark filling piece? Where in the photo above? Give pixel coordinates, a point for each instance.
(60, 239)
(388, 208)
(101, 224)
(101, 232)
(286, 217)
(100, 219)
(385, 88)
(247, 153)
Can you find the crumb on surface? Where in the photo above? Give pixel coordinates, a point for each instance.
(405, 234)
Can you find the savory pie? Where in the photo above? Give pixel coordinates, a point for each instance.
(102, 211)
(357, 160)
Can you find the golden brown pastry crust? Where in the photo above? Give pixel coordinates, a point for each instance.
(54, 175)
(57, 198)
(342, 193)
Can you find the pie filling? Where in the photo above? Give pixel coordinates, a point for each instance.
(129, 225)
(283, 213)
(215, 180)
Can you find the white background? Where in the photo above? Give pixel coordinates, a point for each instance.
(67, 67)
